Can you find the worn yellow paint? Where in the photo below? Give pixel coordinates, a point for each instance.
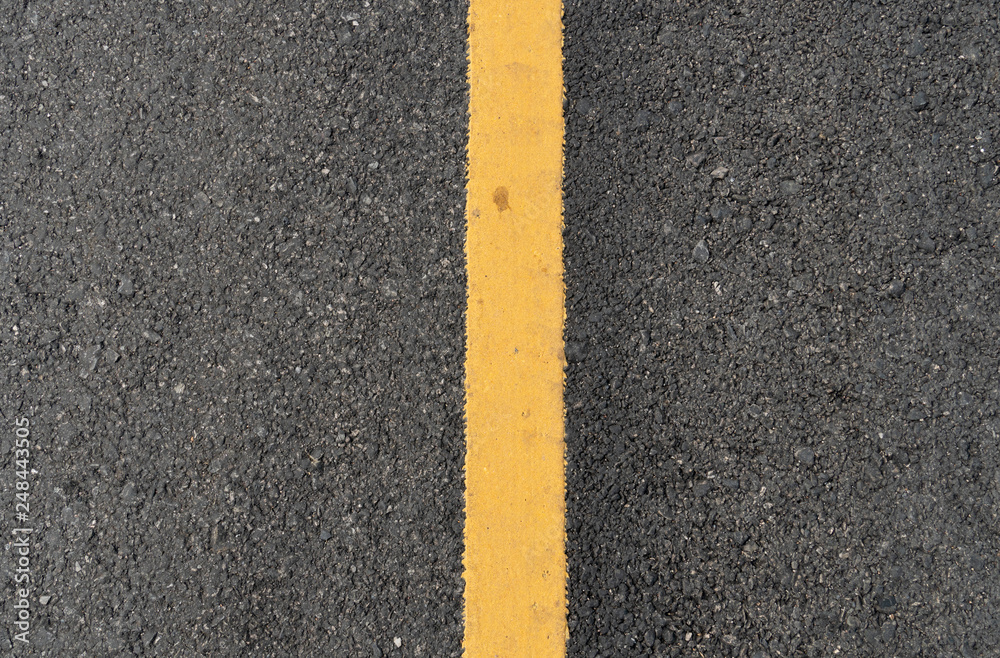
(515, 557)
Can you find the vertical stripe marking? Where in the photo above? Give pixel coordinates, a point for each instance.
(515, 558)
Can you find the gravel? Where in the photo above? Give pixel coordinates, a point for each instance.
(836, 358)
(267, 329)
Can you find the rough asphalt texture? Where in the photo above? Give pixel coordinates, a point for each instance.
(782, 250)
(233, 285)
(232, 268)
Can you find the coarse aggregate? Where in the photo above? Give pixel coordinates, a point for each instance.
(233, 279)
(782, 243)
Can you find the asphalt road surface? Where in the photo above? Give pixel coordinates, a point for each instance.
(233, 291)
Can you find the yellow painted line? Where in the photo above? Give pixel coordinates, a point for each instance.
(515, 556)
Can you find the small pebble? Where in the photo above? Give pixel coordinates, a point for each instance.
(575, 351)
(806, 456)
(700, 252)
(789, 187)
(398, 641)
(89, 358)
(971, 52)
(721, 213)
(767, 218)
(886, 605)
(920, 101)
(916, 48)
(986, 173)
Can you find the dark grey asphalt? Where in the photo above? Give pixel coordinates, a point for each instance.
(782, 250)
(232, 274)
(233, 254)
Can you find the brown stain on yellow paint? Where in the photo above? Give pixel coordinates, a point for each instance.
(501, 197)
